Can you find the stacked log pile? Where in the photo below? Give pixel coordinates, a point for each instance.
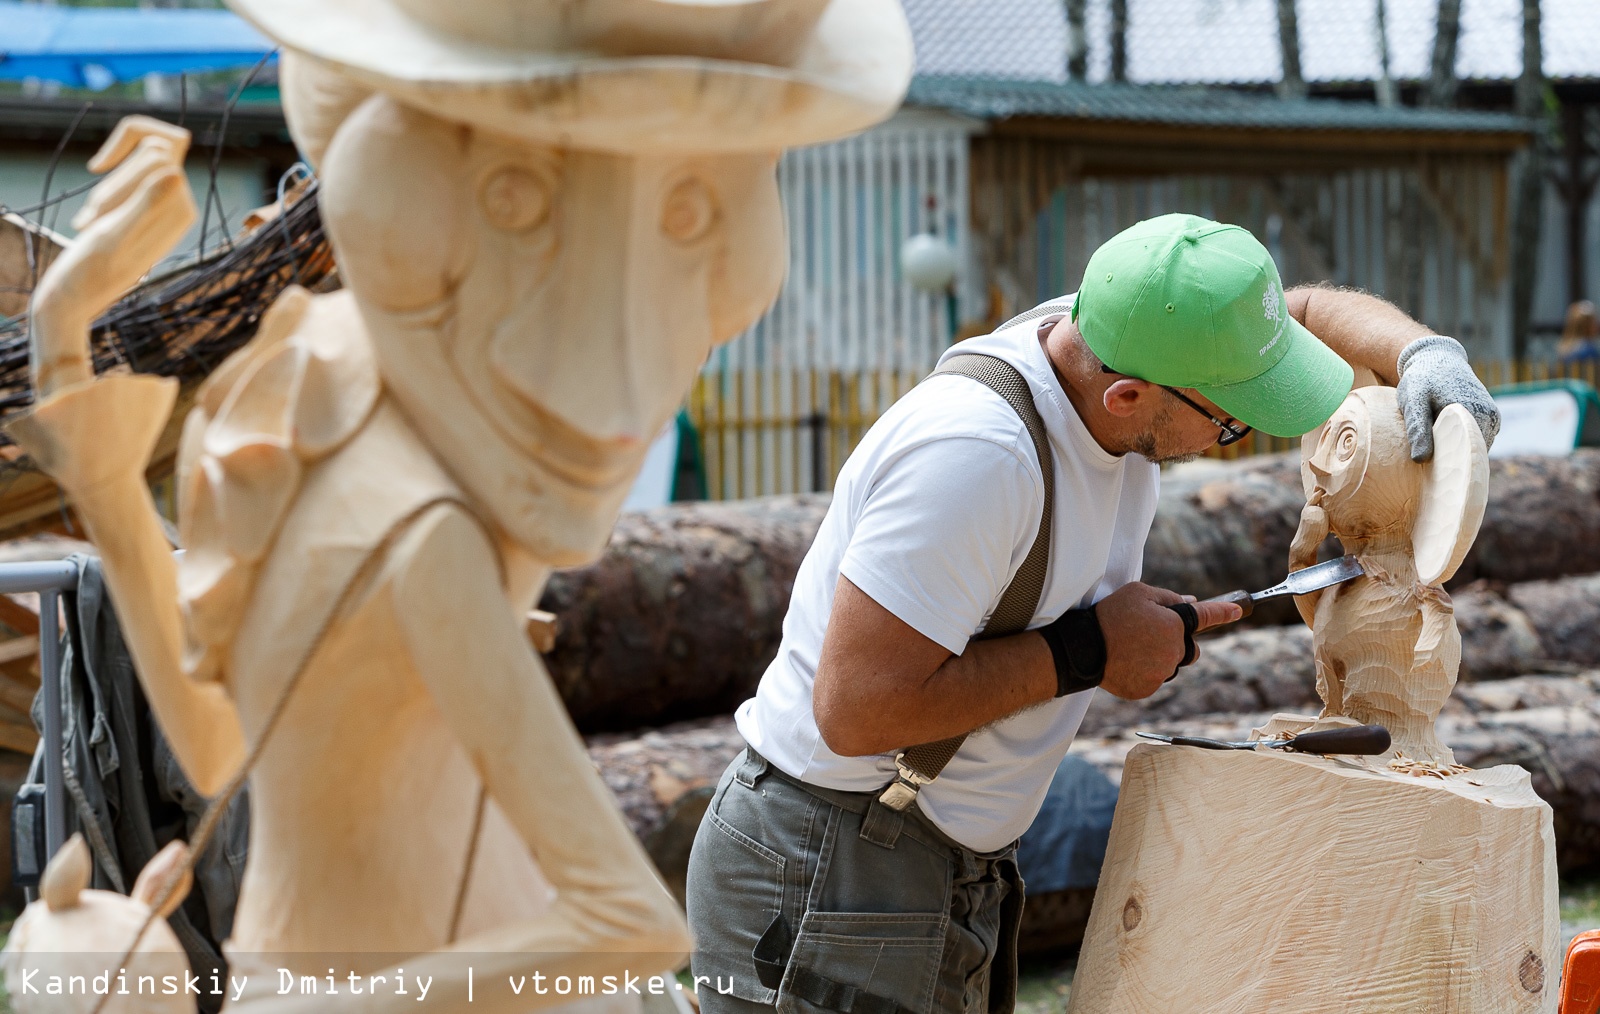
(684, 611)
(1549, 725)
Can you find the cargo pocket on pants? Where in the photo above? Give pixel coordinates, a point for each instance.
(855, 963)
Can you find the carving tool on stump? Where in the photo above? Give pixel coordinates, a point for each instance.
(1364, 740)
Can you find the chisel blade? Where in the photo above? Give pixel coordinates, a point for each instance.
(1313, 579)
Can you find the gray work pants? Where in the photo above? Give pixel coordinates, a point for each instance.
(815, 900)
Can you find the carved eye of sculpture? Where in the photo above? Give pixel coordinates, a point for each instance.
(514, 200)
(689, 211)
(1345, 449)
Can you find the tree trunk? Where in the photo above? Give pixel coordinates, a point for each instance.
(1529, 211)
(681, 614)
(1077, 41)
(1292, 84)
(1442, 79)
(1119, 40)
(1388, 90)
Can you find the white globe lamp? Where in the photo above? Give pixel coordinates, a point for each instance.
(928, 262)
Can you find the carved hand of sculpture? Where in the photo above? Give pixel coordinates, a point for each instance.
(95, 436)
(1387, 647)
(1308, 538)
(130, 221)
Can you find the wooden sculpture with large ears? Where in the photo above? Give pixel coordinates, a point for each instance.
(73, 931)
(545, 215)
(1387, 647)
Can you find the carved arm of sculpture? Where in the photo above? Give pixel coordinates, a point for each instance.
(1303, 553)
(611, 911)
(95, 437)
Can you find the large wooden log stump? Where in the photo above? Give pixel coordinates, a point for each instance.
(1252, 881)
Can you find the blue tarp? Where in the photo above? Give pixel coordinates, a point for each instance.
(94, 47)
(1067, 842)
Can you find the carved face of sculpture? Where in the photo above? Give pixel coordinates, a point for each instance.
(1337, 463)
(549, 304)
(1360, 471)
(1358, 468)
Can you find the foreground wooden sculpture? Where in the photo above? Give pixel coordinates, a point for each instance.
(545, 215)
(1258, 880)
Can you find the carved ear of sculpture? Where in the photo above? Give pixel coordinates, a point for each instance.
(1455, 491)
(153, 879)
(66, 875)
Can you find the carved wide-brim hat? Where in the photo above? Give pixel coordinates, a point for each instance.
(617, 75)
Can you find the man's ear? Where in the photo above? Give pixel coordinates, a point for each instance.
(1125, 397)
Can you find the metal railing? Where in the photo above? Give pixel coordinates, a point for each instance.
(49, 578)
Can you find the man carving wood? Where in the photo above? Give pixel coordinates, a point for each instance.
(824, 845)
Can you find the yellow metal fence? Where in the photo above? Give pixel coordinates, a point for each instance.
(765, 432)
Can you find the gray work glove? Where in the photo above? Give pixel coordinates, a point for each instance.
(1434, 372)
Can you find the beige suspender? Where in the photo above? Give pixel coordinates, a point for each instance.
(919, 765)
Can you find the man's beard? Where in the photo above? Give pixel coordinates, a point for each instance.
(1147, 446)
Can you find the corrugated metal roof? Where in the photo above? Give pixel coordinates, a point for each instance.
(990, 38)
(991, 99)
(1236, 41)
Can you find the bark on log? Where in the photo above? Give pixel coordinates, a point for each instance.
(1566, 615)
(1263, 669)
(683, 612)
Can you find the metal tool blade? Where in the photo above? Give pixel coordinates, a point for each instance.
(1312, 579)
(1358, 740)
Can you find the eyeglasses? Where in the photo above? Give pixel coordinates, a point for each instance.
(1232, 431)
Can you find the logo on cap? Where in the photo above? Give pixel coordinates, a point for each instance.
(1274, 308)
(1272, 303)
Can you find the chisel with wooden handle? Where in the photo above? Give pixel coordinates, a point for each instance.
(1362, 740)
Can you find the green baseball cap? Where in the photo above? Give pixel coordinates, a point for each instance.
(1184, 301)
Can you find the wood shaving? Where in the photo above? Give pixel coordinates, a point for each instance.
(1425, 769)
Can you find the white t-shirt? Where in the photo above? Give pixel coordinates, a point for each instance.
(931, 517)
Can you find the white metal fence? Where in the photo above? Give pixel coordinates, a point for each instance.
(771, 402)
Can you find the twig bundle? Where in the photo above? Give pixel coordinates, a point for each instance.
(185, 323)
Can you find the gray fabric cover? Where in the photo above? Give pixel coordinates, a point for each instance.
(123, 777)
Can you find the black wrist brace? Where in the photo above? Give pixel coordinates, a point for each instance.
(1079, 650)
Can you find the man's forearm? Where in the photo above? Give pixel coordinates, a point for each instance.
(988, 682)
(864, 715)
(1365, 330)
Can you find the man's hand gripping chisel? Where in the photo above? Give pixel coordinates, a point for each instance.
(1323, 575)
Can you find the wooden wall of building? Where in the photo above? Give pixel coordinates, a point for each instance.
(1429, 233)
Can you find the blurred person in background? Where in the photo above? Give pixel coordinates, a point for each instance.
(1580, 337)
